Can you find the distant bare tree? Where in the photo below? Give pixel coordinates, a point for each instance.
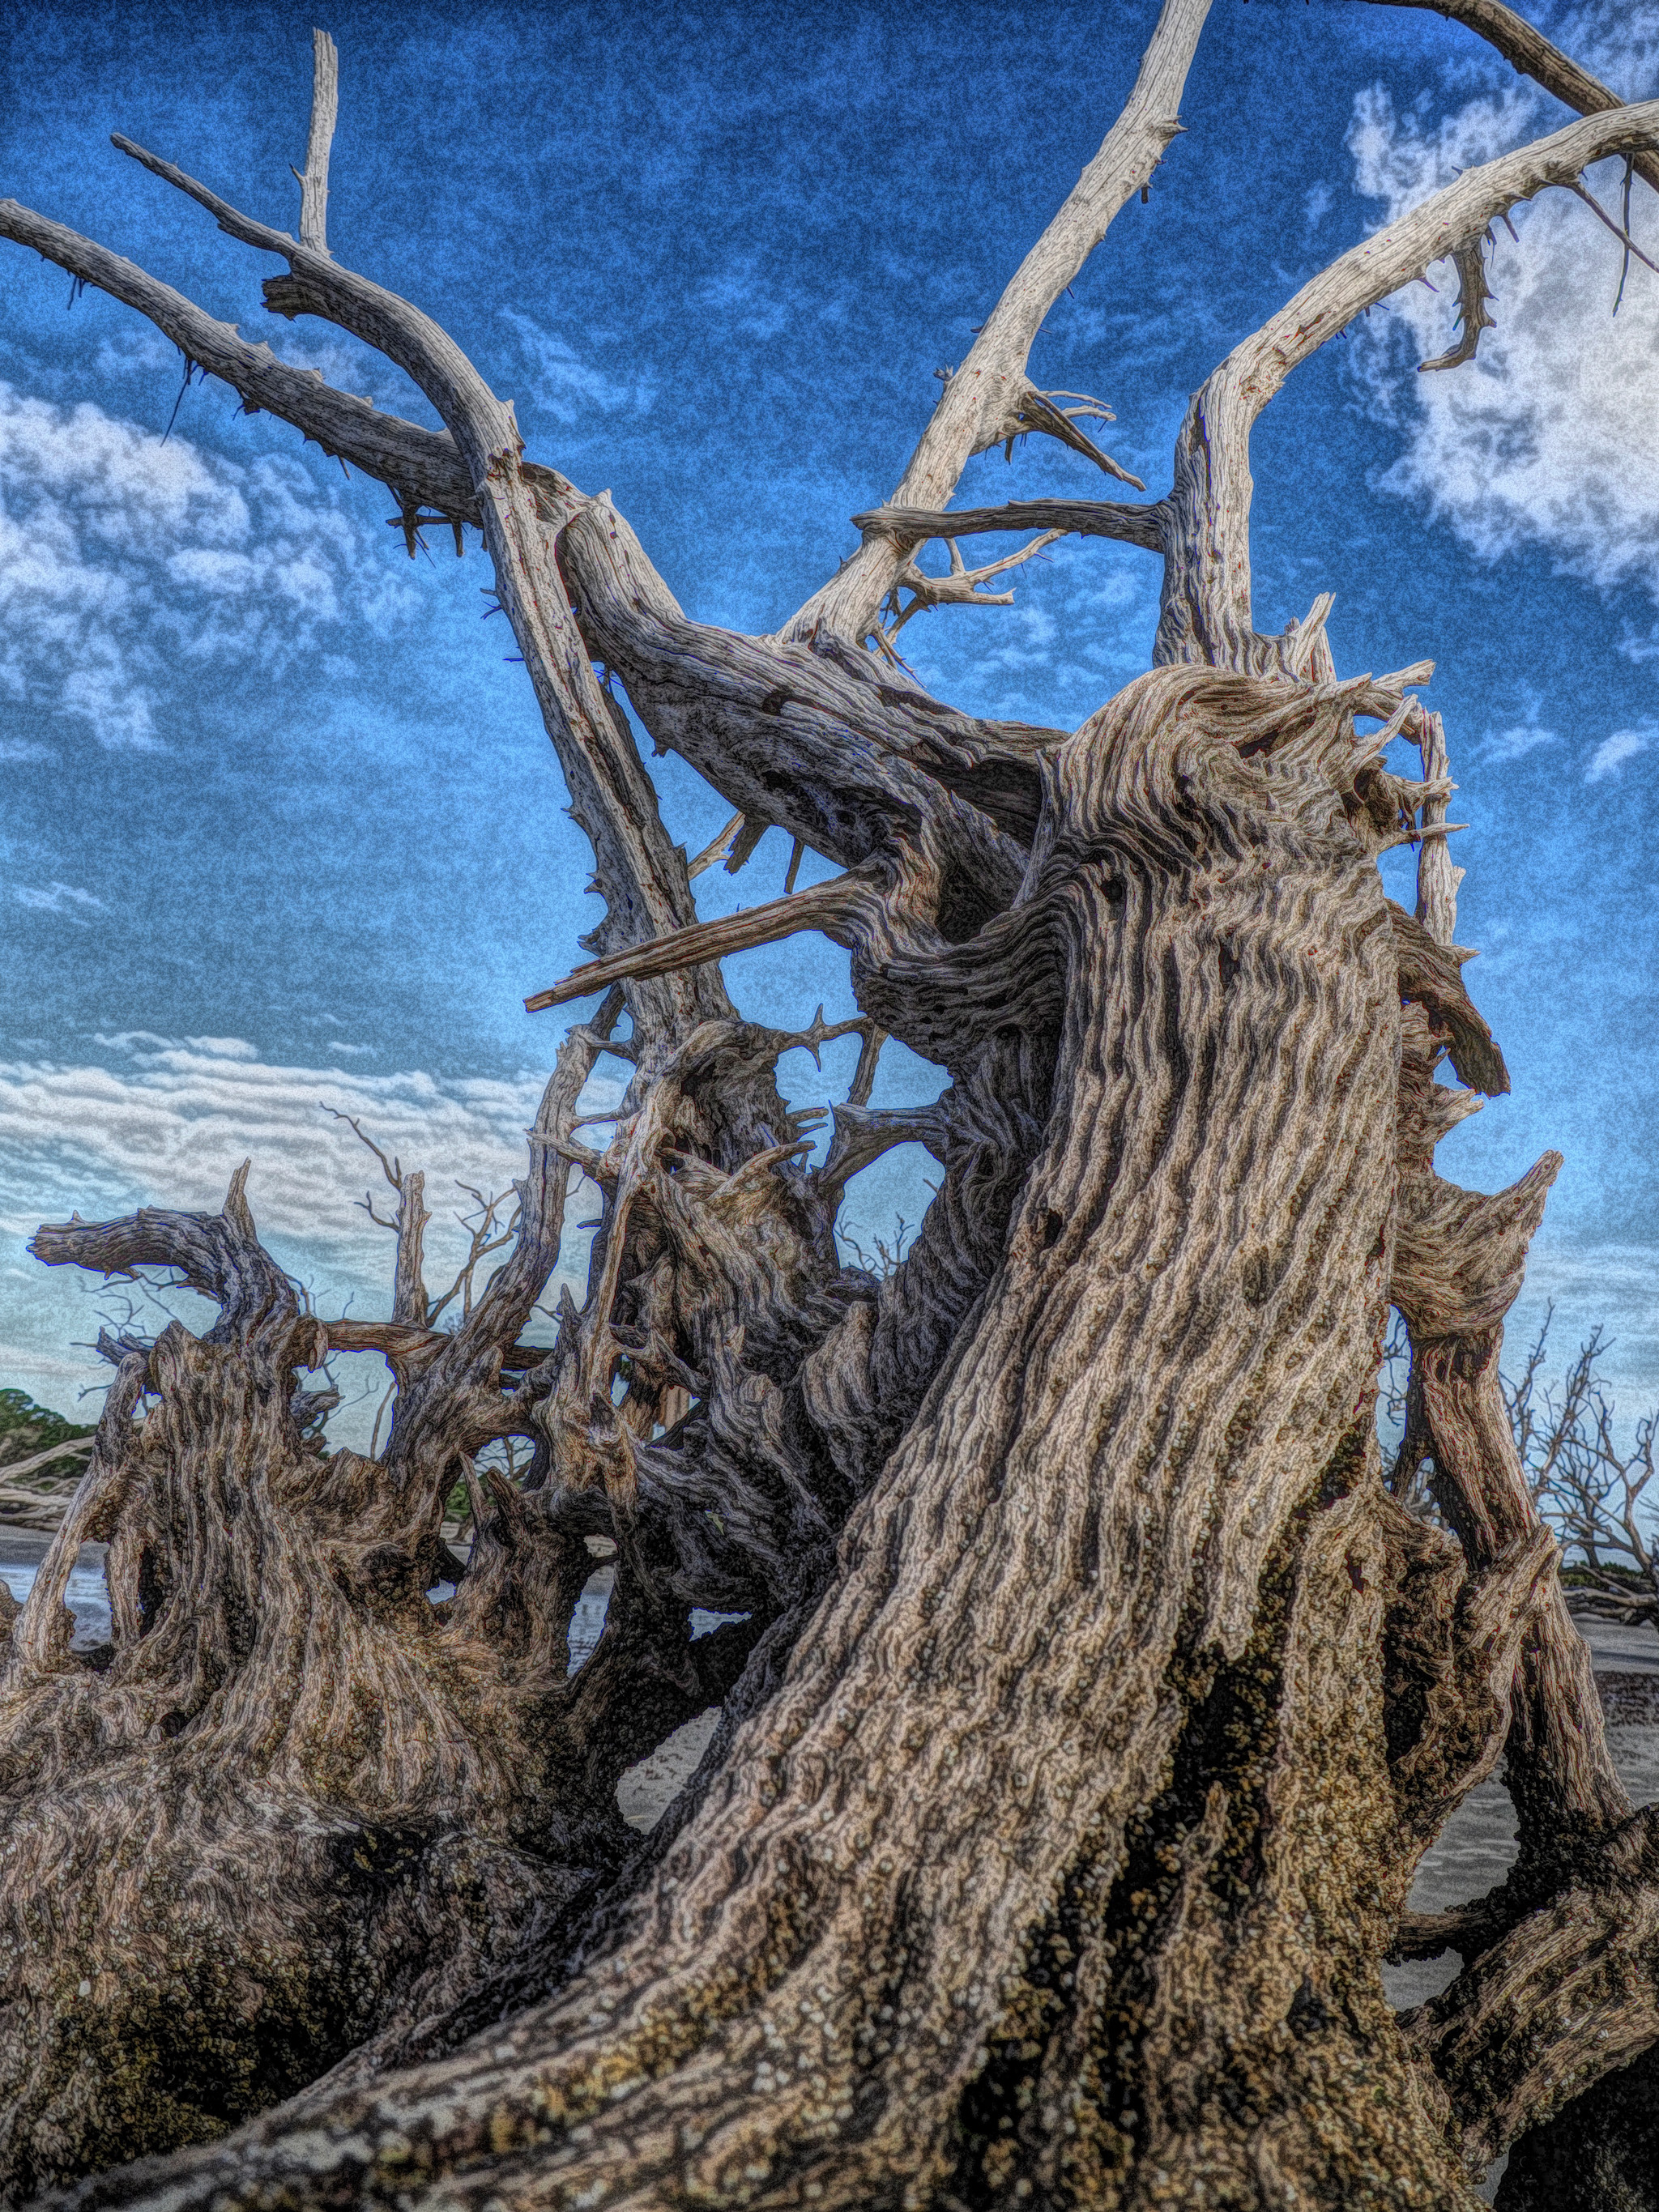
(1095, 1703)
(1592, 1488)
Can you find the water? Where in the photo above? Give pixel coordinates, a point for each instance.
(87, 1597)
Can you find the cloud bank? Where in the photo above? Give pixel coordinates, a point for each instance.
(167, 1121)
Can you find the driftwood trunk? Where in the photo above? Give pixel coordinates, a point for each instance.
(1093, 1698)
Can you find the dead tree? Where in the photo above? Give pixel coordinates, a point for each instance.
(1592, 1487)
(1095, 1701)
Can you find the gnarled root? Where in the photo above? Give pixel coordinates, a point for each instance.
(1086, 1903)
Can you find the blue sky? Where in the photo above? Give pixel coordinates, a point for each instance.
(280, 823)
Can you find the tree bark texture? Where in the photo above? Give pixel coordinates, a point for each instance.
(1095, 1699)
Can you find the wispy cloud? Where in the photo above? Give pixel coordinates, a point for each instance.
(126, 558)
(166, 1123)
(569, 387)
(1546, 438)
(59, 898)
(1613, 753)
(1521, 738)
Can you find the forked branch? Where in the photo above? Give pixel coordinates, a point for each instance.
(1532, 54)
(422, 465)
(1207, 583)
(961, 587)
(978, 398)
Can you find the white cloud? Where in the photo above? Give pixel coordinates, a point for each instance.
(167, 1123)
(1546, 438)
(565, 385)
(1523, 737)
(1613, 753)
(126, 559)
(59, 898)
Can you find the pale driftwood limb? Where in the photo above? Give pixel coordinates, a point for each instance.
(319, 286)
(642, 877)
(819, 739)
(1206, 590)
(1437, 879)
(974, 404)
(961, 587)
(1534, 56)
(1432, 978)
(912, 526)
(422, 465)
(824, 907)
(1309, 652)
(11, 1469)
(721, 848)
(1026, 408)
(324, 112)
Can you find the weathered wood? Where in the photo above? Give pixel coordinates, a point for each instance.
(978, 405)
(1094, 1702)
(324, 114)
(1533, 54)
(1207, 574)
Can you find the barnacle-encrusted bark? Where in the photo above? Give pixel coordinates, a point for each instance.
(1094, 1701)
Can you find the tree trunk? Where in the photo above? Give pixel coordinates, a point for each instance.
(1061, 1859)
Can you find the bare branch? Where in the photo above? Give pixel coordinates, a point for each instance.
(1474, 295)
(421, 464)
(481, 1241)
(1207, 583)
(409, 1295)
(217, 1254)
(822, 907)
(960, 587)
(641, 874)
(325, 110)
(1530, 52)
(1030, 409)
(483, 425)
(1437, 879)
(721, 848)
(975, 405)
(1618, 230)
(912, 526)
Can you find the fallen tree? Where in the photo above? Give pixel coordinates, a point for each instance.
(1095, 1701)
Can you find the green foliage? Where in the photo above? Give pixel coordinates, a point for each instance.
(26, 1428)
